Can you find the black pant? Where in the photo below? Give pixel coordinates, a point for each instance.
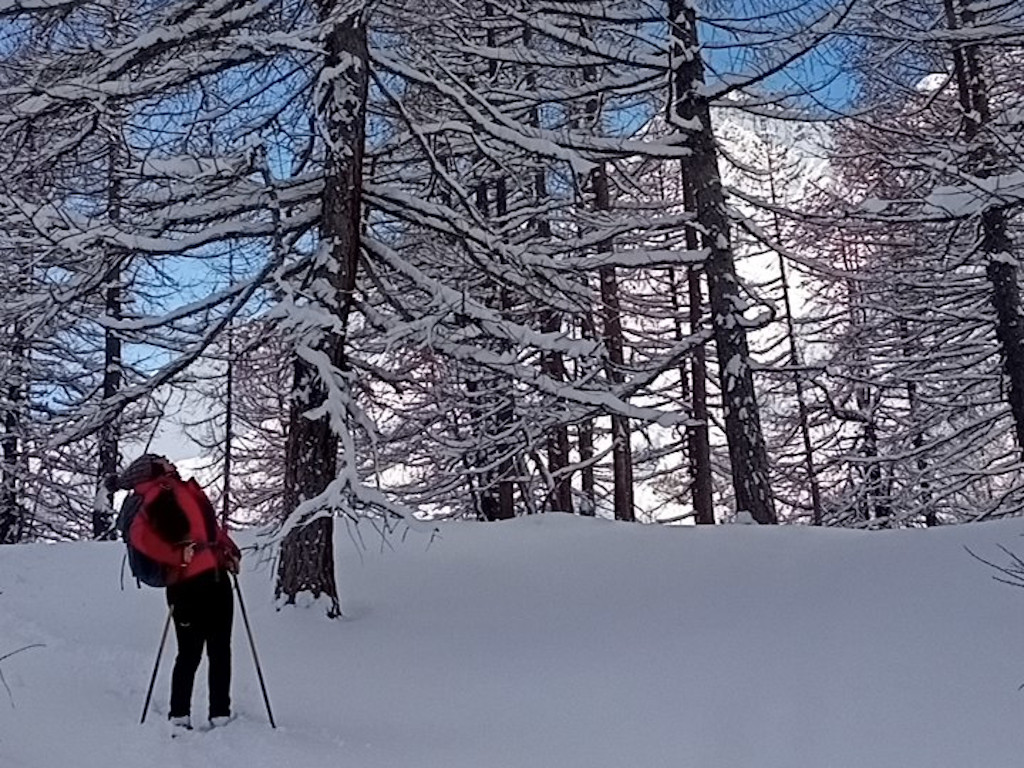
(202, 608)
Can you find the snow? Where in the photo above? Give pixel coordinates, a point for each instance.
(979, 194)
(873, 205)
(550, 641)
(931, 83)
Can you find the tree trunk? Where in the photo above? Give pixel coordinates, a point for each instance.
(307, 553)
(13, 515)
(995, 242)
(497, 497)
(698, 437)
(109, 453)
(12, 511)
(506, 489)
(877, 504)
(611, 316)
(551, 322)
(229, 411)
(585, 442)
(931, 518)
(690, 109)
(109, 435)
(803, 414)
(558, 436)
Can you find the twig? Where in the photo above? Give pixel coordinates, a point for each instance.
(1012, 575)
(7, 688)
(1015, 576)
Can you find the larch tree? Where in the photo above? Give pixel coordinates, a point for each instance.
(322, 386)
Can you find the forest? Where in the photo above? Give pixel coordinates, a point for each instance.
(673, 262)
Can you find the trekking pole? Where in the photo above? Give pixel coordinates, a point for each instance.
(252, 644)
(156, 666)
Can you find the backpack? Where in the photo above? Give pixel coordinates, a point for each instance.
(145, 569)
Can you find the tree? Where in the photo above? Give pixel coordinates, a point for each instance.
(321, 386)
(916, 351)
(742, 419)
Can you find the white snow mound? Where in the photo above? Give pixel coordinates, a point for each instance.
(549, 642)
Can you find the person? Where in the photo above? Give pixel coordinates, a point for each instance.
(178, 528)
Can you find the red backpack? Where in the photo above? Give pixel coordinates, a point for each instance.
(158, 507)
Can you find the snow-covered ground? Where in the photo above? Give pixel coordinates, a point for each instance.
(550, 642)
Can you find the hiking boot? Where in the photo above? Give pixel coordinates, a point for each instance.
(180, 725)
(219, 721)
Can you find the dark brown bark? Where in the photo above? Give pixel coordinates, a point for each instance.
(611, 317)
(229, 413)
(497, 495)
(506, 489)
(551, 322)
(876, 505)
(309, 564)
(12, 510)
(585, 442)
(690, 110)
(698, 436)
(872, 500)
(1006, 299)
(307, 553)
(611, 335)
(558, 436)
(803, 413)
(13, 513)
(698, 439)
(995, 243)
(931, 519)
(109, 434)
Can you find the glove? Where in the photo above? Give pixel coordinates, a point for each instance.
(229, 557)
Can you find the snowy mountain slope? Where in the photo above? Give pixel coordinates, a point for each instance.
(551, 642)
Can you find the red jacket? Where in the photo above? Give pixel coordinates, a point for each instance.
(214, 546)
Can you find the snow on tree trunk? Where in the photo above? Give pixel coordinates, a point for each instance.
(747, 453)
(109, 434)
(307, 552)
(994, 241)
